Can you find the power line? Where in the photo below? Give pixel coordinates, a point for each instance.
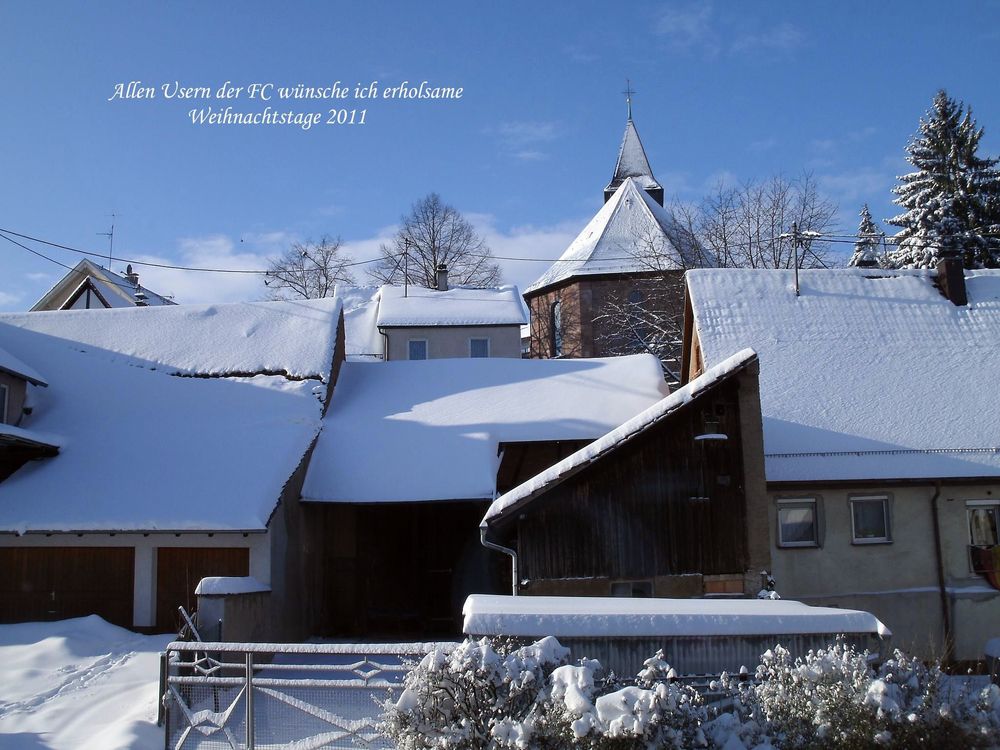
(261, 271)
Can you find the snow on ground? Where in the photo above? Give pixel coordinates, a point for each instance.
(80, 684)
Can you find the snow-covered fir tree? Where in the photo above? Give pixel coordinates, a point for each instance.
(952, 200)
(866, 253)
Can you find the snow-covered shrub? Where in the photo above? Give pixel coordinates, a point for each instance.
(471, 697)
(579, 710)
(832, 698)
(494, 696)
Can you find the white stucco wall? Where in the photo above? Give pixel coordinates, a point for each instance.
(145, 546)
(898, 581)
(445, 342)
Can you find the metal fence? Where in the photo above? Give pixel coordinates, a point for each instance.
(269, 695)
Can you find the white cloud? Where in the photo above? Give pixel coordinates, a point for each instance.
(539, 245)
(857, 186)
(40, 277)
(781, 38)
(524, 139)
(690, 27)
(212, 251)
(697, 28)
(9, 298)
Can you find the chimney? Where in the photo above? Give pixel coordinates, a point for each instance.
(442, 277)
(951, 280)
(131, 276)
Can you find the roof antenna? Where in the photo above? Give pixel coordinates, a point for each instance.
(111, 238)
(628, 96)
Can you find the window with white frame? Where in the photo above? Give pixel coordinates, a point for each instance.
(798, 522)
(3, 404)
(417, 349)
(870, 519)
(479, 348)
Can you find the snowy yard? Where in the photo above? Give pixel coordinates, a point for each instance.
(80, 684)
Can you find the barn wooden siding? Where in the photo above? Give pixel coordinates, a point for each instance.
(54, 583)
(632, 513)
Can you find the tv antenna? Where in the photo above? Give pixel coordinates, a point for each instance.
(111, 238)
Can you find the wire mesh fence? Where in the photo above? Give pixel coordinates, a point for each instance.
(236, 696)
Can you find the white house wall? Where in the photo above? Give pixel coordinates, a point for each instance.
(145, 546)
(445, 342)
(897, 581)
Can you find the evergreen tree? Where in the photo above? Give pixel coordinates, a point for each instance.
(869, 238)
(952, 200)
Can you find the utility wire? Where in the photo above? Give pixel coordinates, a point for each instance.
(834, 238)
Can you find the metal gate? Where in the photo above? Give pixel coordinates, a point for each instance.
(269, 695)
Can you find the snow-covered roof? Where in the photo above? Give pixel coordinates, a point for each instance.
(229, 585)
(632, 161)
(293, 337)
(362, 340)
(430, 430)
(593, 616)
(867, 374)
(621, 238)
(114, 288)
(523, 493)
(11, 364)
(142, 449)
(12, 434)
(417, 306)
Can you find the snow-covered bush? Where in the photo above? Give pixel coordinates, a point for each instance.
(498, 697)
(833, 698)
(475, 696)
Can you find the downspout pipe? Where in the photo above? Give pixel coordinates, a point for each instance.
(483, 529)
(949, 646)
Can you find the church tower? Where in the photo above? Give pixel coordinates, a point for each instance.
(632, 162)
(633, 252)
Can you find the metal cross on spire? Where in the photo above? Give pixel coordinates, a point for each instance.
(628, 96)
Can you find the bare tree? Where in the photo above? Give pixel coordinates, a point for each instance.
(309, 270)
(744, 226)
(432, 234)
(748, 226)
(647, 313)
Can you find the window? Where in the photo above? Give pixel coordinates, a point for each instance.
(984, 535)
(479, 347)
(3, 404)
(632, 589)
(797, 522)
(870, 519)
(418, 349)
(555, 325)
(984, 523)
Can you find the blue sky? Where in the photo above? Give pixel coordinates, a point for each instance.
(725, 89)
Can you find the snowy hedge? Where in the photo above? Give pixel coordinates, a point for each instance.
(496, 696)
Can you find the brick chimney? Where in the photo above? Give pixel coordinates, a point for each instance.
(442, 277)
(951, 280)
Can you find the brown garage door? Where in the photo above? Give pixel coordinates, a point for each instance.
(178, 570)
(53, 583)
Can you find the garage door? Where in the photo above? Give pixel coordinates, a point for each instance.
(53, 583)
(178, 570)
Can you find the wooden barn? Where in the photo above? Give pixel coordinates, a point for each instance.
(670, 504)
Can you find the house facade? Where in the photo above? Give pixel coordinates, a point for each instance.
(880, 421)
(89, 286)
(180, 440)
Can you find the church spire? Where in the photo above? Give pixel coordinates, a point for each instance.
(632, 161)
